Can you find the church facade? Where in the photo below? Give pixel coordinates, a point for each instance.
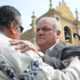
(70, 24)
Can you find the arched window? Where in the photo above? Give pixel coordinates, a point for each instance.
(67, 34)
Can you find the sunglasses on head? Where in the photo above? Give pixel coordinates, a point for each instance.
(21, 29)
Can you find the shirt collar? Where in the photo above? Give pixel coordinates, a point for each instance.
(50, 49)
(4, 35)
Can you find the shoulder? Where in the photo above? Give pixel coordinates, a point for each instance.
(59, 46)
(71, 48)
(69, 51)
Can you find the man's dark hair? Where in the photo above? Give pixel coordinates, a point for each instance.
(7, 15)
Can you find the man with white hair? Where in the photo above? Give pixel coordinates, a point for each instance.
(48, 39)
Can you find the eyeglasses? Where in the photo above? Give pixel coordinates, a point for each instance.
(21, 29)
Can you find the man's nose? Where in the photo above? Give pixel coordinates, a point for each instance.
(40, 32)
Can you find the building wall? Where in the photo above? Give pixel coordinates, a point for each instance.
(63, 13)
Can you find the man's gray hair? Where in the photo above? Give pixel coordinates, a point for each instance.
(54, 20)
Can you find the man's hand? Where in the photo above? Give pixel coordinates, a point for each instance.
(72, 59)
(23, 45)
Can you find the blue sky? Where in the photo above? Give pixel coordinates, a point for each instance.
(26, 7)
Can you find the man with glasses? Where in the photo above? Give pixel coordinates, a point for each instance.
(10, 28)
(10, 22)
(15, 65)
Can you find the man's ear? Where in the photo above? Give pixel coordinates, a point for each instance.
(13, 27)
(58, 33)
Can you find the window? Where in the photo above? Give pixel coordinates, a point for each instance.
(67, 34)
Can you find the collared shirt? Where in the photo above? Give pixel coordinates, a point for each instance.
(41, 54)
(49, 49)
